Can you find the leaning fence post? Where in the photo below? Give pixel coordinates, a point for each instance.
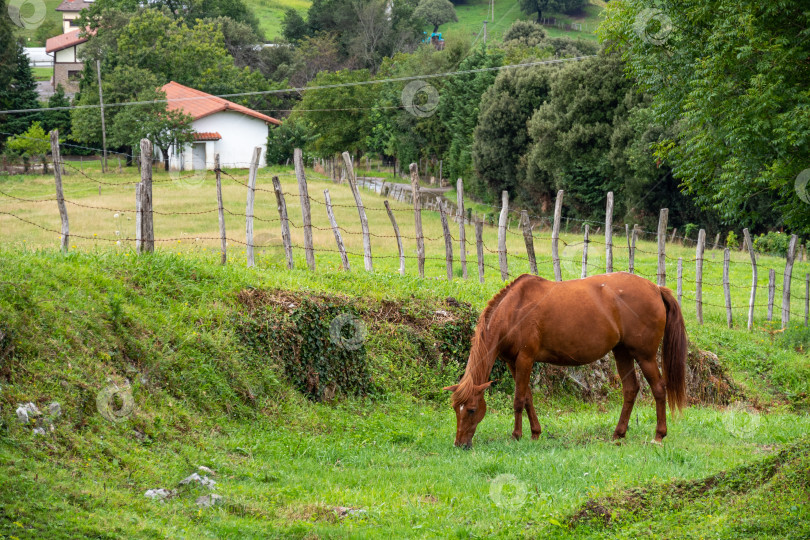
(221, 210)
(399, 239)
(303, 192)
(347, 159)
(791, 254)
(753, 296)
(726, 285)
(417, 215)
(60, 196)
(285, 222)
(701, 246)
(529, 239)
(555, 236)
(662, 247)
(716, 241)
(335, 229)
(479, 248)
(462, 233)
(448, 242)
(251, 198)
(148, 236)
(609, 233)
(585, 241)
(502, 260)
(633, 238)
(771, 292)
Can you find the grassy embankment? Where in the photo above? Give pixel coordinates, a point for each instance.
(202, 397)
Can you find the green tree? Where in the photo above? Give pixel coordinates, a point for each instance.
(733, 77)
(293, 26)
(17, 85)
(164, 128)
(436, 12)
(539, 6)
(33, 144)
(284, 139)
(59, 119)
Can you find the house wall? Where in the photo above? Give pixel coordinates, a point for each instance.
(65, 62)
(67, 24)
(240, 134)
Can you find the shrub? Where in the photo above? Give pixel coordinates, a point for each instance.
(774, 243)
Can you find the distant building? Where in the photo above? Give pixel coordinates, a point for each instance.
(67, 68)
(70, 13)
(220, 126)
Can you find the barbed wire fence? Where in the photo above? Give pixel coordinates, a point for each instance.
(511, 222)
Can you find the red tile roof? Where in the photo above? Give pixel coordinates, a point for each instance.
(73, 5)
(199, 104)
(207, 136)
(63, 41)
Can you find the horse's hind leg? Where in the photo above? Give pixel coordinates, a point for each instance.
(649, 367)
(627, 374)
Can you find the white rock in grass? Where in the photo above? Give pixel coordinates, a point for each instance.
(158, 494)
(39, 431)
(55, 409)
(202, 480)
(205, 470)
(207, 501)
(26, 412)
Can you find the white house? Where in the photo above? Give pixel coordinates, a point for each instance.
(220, 126)
(67, 67)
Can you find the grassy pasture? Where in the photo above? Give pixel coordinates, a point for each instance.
(284, 464)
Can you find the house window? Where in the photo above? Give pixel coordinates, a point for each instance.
(74, 75)
(74, 22)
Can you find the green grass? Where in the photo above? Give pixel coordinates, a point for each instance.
(42, 73)
(166, 323)
(271, 12)
(30, 12)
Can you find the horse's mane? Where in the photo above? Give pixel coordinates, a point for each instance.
(478, 369)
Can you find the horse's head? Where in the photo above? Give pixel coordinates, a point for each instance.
(470, 407)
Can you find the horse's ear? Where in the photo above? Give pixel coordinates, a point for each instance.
(451, 388)
(482, 387)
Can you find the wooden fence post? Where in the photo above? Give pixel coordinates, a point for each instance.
(771, 292)
(585, 241)
(529, 239)
(672, 238)
(221, 210)
(147, 223)
(139, 217)
(633, 237)
(347, 159)
(502, 256)
(60, 196)
(285, 222)
(791, 254)
(806, 297)
(335, 229)
(251, 199)
(753, 297)
(462, 233)
(555, 236)
(699, 250)
(417, 215)
(662, 247)
(448, 242)
(716, 241)
(726, 285)
(303, 192)
(479, 248)
(399, 239)
(609, 233)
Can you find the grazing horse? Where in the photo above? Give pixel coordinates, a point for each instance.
(573, 323)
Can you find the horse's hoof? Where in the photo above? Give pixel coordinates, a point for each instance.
(535, 436)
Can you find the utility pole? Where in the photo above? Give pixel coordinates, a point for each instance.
(103, 126)
(492, 3)
(485, 32)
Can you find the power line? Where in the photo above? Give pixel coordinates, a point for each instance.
(309, 88)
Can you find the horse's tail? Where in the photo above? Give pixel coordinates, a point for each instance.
(674, 352)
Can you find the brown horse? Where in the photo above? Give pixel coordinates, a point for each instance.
(573, 323)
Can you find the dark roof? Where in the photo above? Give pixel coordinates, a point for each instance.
(73, 5)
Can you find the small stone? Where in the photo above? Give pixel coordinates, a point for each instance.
(205, 470)
(158, 494)
(202, 480)
(26, 412)
(207, 501)
(343, 511)
(39, 431)
(55, 409)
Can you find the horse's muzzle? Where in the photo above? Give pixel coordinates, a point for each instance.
(465, 446)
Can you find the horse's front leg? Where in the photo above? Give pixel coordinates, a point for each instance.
(523, 398)
(517, 433)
